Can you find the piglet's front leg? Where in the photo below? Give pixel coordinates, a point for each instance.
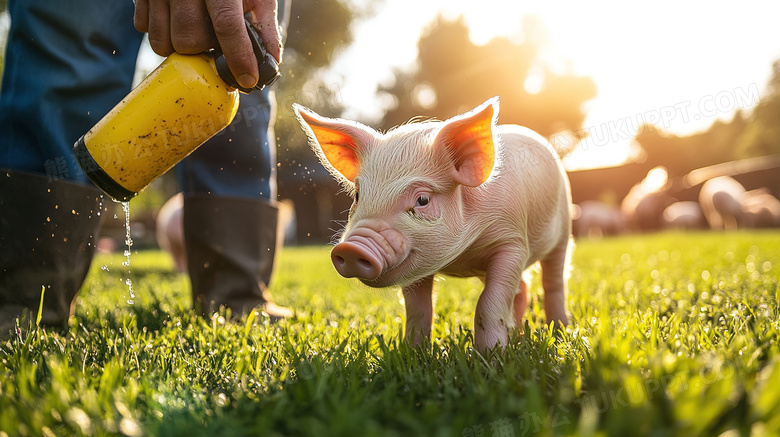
(495, 309)
(418, 299)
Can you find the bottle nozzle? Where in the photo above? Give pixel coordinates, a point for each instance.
(267, 67)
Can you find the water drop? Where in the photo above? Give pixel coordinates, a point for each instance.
(130, 287)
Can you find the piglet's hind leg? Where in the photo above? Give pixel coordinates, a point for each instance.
(521, 304)
(554, 283)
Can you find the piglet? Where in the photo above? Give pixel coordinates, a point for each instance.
(464, 197)
(170, 231)
(721, 201)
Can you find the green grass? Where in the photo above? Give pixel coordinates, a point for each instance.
(671, 334)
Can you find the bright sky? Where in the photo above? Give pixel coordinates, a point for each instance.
(679, 65)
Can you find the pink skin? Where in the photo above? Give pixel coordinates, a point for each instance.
(170, 231)
(761, 208)
(597, 219)
(683, 215)
(418, 299)
(372, 249)
(367, 253)
(463, 197)
(720, 202)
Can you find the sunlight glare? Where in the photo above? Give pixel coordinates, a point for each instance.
(644, 58)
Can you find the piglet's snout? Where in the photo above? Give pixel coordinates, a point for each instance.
(365, 253)
(356, 260)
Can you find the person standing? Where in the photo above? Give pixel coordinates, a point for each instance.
(67, 64)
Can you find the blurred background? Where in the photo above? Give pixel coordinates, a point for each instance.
(668, 111)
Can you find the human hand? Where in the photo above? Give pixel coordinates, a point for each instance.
(194, 26)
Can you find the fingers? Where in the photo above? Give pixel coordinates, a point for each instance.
(265, 20)
(191, 29)
(141, 16)
(181, 26)
(159, 27)
(194, 26)
(227, 18)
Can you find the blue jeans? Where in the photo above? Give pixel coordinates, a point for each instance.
(69, 62)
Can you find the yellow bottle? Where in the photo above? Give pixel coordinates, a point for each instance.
(180, 105)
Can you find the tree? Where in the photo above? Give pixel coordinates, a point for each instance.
(757, 134)
(454, 75)
(762, 135)
(316, 31)
(682, 154)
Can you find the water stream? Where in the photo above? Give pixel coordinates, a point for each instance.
(128, 246)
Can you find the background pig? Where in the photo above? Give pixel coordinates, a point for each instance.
(595, 219)
(683, 215)
(463, 197)
(761, 208)
(170, 231)
(721, 201)
(644, 204)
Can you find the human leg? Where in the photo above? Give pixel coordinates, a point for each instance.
(66, 64)
(230, 213)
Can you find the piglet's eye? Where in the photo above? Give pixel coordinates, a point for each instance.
(422, 201)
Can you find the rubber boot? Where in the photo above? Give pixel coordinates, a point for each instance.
(48, 232)
(231, 244)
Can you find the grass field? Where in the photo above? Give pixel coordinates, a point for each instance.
(671, 334)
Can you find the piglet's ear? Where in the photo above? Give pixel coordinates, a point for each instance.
(337, 142)
(469, 140)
